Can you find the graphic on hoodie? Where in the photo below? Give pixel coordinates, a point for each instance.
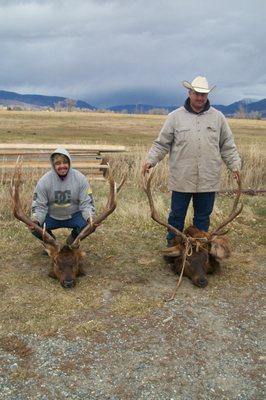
(62, 197)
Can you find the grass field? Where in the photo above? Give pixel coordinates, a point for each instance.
(134, 131)
(131, 219)
(122, 296)
(129, 130)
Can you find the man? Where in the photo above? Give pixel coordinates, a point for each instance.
(62, 197)
(197, 138)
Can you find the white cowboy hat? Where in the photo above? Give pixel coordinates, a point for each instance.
(199, 84)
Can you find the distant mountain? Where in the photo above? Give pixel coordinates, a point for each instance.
(257, 106)
(230, 110)
(37, 100)
(247, 106)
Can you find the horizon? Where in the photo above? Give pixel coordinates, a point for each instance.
(248, 100)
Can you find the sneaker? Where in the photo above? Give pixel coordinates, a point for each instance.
(70, 239)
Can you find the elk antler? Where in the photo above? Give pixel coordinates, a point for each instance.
(123, 180)
(18, 211)
(154, 214)
(109, 208)
(234, 213)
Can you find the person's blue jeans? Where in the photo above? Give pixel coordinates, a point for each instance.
(76, 223)
(203, 205)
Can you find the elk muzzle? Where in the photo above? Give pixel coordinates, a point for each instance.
(66, 266)
(200, 281)
(68, 283)
(66, 275)
(196, 268)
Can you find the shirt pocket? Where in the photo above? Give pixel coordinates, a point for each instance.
(212, 134)
(181, 134)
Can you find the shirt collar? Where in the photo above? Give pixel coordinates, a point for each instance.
(190, 109)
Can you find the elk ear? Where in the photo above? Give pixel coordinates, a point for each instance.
(220, 248)
(82, 253)
(52, 251)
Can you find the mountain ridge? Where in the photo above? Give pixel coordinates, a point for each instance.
(41, 100)
(36, 101)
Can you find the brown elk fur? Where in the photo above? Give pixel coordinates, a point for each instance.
(204, 258)
(220, 247)
(194, 232)
(197, 266)
(66, 264)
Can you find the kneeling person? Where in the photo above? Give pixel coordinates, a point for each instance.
(62, 198)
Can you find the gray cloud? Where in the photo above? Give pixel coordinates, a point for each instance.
(112, 52)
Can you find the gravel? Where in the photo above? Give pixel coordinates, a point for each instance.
(206, 344)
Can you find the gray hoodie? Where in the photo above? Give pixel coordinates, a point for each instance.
(62, 197)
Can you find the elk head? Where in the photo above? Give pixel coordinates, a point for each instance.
(66, 260)
(195, 253)
(66, 264)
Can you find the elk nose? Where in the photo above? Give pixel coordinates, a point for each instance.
(68, 284)
(203, 282)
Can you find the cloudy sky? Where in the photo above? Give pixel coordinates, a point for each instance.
(110, 52)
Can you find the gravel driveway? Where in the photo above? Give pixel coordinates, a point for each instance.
(206, 344)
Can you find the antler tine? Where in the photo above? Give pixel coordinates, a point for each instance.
(234, 213)
(231, 217)
(18, 210)
(154, 214)
(109, 208)
(107, 171)
(123, 180)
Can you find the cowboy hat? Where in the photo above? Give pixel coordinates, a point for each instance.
(199, 84)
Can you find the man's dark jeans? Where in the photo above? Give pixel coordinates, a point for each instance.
(202, 204)
(76, 223)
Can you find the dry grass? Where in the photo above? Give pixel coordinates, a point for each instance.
(125, 273)
(110, 128)
(62, 127)
(16, 346)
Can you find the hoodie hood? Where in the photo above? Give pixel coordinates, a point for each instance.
(62, 151)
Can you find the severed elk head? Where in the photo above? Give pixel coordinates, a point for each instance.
(66, 260)
(196, 253)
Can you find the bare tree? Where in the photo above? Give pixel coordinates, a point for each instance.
(70, 104)
(241, 112)
(59, 106)
(158, 111)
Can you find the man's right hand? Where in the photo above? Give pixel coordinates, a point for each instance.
(145, 167)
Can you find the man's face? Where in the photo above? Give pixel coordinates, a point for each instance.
(197, 100)
(61, 165)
